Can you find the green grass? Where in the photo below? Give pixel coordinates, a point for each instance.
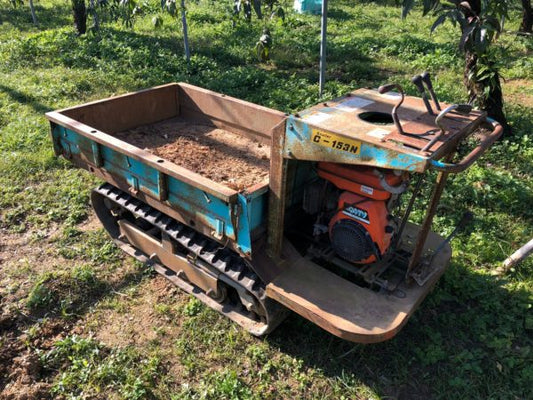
(90, 368)
(471, 338)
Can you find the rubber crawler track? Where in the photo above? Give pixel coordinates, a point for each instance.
(267, 314)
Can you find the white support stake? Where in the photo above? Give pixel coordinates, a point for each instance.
(519, 255)
(324, 29)
(185, 33)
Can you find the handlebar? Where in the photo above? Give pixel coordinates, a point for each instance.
(463, 109)
(469, 159)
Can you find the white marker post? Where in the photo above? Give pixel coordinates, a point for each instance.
(322, 78)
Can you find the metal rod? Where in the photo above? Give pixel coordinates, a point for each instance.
(427, 80)
(417, 81)
(464, 109)
(185, 32)
(277, 194)
(465, 220)
(33, 15)
(408, 210)
(387, 88)
(519, 255)
(471, 157)
(324, 28)
(442, 177)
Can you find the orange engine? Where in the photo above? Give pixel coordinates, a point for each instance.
(361, 229)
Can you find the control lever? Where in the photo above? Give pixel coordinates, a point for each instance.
(418, 82)
(387, 88)
(467, 217)
(427, 80)
(463, 109)
(425, 271)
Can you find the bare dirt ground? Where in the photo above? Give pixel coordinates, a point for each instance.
(24, 334)
(217, 154)
(21, 258)
(136, 324)
(519, 90)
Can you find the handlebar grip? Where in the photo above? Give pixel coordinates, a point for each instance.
(386, 88)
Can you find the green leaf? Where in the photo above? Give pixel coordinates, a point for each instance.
(429, 5)
(438, 22)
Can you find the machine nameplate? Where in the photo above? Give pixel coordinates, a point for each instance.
(357, 213)
(334, 141)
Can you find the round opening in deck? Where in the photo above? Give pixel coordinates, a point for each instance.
(160, 161)
(376, 117)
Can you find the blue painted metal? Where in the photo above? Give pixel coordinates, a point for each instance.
(298, 145)
(234, 221)
(256, 207)
(437, 164)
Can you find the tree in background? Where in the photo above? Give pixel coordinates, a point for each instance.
(171, 7)
(481, 22)
(94, 14)
(246, 7)
(79, 11)
(527, 19)
(33, 15)
(17, 3)
(274, 9)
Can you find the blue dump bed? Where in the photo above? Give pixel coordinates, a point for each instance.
(94, 136)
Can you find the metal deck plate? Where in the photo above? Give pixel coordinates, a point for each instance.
(340, 120)
(345, 309)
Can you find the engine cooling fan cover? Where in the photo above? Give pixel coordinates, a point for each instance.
(351, 240)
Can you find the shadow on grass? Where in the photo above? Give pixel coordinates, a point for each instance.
(159, 59)
(24, 99)
(20, 17)
(339, 14)
(468, 339)
(64, 303)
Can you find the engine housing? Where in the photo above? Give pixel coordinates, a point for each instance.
(361, 227)
(360, 230)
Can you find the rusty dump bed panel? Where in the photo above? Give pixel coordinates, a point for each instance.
(85, 135)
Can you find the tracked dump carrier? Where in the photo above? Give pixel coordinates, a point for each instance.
(256, 212)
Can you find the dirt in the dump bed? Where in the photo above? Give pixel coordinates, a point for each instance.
(222, 156)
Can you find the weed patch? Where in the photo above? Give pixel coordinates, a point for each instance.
(64, 293)
(89, 369)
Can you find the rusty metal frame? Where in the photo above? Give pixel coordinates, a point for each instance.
(440, 183)
(164, 251)
(477, 152)
(445, 168)
(277, 195)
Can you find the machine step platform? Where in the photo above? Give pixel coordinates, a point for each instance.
(346, 309)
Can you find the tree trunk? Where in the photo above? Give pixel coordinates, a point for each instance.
(185, 32)
(96, 22)
(527, 18)
(34, 16)
(79, 11)
(257, 8)
(491, 103)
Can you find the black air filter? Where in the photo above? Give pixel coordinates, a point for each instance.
(351, 241)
